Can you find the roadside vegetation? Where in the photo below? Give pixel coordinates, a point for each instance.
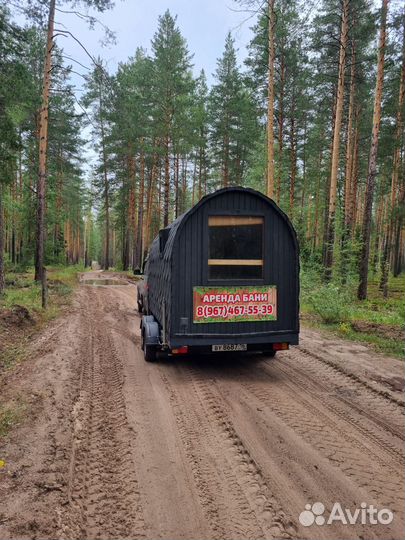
(21, 314)
(377, 321)
(22, 317)
(10, 415)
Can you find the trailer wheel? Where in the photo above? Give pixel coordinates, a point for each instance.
(150, 353)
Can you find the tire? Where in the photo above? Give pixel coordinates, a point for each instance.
(150, 352)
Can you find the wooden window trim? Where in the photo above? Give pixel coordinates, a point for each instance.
(234, 221)
(235, 262)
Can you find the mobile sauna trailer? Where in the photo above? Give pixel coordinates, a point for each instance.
(222, 277)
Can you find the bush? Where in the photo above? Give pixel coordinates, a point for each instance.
(330, 303)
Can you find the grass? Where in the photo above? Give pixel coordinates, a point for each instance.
(385, 345)
(377, 321)
(11, 415)
(22, 290)
(14, 354)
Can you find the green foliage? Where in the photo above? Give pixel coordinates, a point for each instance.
(233, 122)
(24, 291)
(377, 321)
(11, 415)
(330, 303)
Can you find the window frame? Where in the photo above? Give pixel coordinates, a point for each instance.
(235, 281)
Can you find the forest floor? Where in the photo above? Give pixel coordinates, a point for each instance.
(21, 314)
(377, 321)
(108, 446)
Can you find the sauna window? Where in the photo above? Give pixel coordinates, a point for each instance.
(235, 247)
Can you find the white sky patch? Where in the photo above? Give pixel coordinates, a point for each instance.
(203, 23)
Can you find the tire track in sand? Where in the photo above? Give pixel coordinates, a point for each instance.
(103, 494)
(344, 449)
(377, 419)
(232, 489)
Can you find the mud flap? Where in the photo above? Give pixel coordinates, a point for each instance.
(150, 330)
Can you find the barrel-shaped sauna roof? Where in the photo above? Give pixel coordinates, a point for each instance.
(174, 228)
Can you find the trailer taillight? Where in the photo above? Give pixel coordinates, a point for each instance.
(180, 350)
(280, 346)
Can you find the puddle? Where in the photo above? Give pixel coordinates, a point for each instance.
(99, 282)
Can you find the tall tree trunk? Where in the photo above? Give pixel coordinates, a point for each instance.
(20, 198)
(200, 171)
(378, 229)
(327, 183)
(336, 142)
(194, 181)
(126, 223)
(281, 125)
(2, 277)
(293, 159)
(176, 167)
(59, 187)
(184, 164)
(13, 220)
(304, 169)
(352, 209)
(395, 173)
(107, 259)
(398, 248)
(130, 222)
(107, 254)
(348, 192)
(270, 102)
(372, 164)
(350, 145)
(317, 197)
(150, 196)
(43, 146)
(139, 233)
(167, 185)
(225, 181)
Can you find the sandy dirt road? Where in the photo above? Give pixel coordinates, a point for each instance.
(215, 448)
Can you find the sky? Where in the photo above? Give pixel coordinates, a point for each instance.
(203, 23)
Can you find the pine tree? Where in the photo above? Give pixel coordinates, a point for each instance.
(393, 196)
(98, 97)
(232, 117)
(200, 120)
(372, 166)
(14, 88)
(270, 100)
(172, 86)
(330, 234)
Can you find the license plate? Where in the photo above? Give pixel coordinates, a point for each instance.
(230, 347)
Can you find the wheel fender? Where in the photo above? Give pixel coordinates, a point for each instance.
(151, 330)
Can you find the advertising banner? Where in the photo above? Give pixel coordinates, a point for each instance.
(234, 304)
